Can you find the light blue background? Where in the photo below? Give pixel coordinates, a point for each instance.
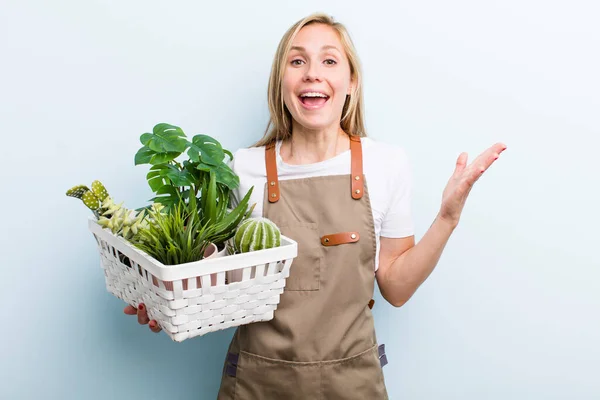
(512, 310)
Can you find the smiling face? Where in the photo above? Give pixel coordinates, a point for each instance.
(316, 78)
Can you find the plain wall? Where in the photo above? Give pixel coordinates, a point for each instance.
(510, 312)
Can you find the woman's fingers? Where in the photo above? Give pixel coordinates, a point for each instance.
(484, 161)
(142, 314)
(154, 327)
(130, 310)
(461, 163)
(492, 154)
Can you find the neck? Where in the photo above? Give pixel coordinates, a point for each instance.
(311, 146)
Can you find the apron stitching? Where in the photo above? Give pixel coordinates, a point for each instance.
(321, 381)
(371, 225)
(310, 363)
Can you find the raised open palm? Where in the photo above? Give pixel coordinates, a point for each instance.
(462, 180)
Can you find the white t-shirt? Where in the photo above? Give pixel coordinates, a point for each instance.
(386, 169)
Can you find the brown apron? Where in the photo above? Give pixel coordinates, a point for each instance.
(321, 343)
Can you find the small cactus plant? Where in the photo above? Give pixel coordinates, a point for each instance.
(93, 198)
(120, 220)
(256, 233)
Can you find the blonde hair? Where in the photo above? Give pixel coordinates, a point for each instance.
(280, 123)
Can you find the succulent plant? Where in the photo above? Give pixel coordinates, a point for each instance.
(120, 220)
(109, 207)
(124, 222)
(256, 234)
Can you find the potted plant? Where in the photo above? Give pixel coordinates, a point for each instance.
(163, 254)
(205, 174)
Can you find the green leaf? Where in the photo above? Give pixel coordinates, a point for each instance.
(177, 176)
(145, 138)
(211, 200)
(204, 167)
(165, 138)
(155, 179)
(206, 149)
(191, 168)
(232, 220)
(227, 177)
(224, 174)
(143, 155)
(223, 202)
(168, 196)
(161, 158)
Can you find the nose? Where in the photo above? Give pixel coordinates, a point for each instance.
(312, 73)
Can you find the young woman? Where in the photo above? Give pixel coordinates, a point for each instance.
(345, 199)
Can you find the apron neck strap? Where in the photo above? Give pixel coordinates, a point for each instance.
(272, 180)
(356, 167)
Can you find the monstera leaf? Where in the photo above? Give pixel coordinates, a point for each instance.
(205, 176)
(223, 174)
(169, 196)
(165, 138)
(177, 176)
(155, 178)
(204, 149)
(164, 144)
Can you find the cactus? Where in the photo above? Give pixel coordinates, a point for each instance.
(77, 191)
(256, 234)
(96, 199)
(118, 219)
(99, 190)
(90, 200)
(84, 193)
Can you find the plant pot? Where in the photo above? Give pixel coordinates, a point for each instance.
(212, 251)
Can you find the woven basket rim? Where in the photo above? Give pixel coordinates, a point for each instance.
(287, 250)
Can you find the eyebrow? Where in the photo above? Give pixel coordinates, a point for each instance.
(326, 47)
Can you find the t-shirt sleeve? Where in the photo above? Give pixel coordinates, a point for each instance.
(398, 219)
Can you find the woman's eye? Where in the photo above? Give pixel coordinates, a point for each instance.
(296, 62)
(329, 61)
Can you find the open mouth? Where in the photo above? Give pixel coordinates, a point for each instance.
(313, 101)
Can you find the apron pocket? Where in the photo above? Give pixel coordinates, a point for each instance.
(305, 271)
(355, 378)
(260, 378)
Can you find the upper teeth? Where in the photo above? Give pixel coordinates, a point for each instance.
(313, 94)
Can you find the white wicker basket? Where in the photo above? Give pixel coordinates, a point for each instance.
(195, 298)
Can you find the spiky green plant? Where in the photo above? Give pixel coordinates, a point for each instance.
(174, 235)
(224, 221)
